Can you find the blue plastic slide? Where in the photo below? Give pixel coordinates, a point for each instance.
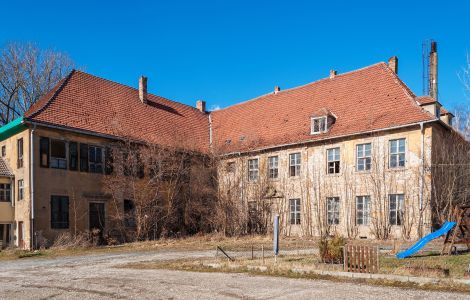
(416, 247)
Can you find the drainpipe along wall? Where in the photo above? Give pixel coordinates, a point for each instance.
(31, 180)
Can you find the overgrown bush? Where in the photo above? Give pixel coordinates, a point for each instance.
(331, 249)
(67, 240)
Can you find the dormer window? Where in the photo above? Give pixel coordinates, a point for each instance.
(319, 125)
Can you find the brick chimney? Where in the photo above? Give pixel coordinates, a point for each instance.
(277, 89)
(333, 74)
(201, 105)
(433, 92)
(393, 64)
(143, 89)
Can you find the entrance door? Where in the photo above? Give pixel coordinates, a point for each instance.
(97, 220)
(20, 235)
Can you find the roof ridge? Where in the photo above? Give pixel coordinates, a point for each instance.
(136, 89)
(303, 85)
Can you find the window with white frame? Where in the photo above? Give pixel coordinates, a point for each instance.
(363, 157)
(273, 167)
(95, 159)
(397, 153)
(58, 158)
(362, 210)
(20, 189)
(396, 209)
(253, 169)
(295, 211)
(5, 192)
(332, 210)
(319, 125)
(333, 161)
(294, 164)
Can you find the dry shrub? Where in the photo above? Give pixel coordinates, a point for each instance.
(67, 240)
(331, 249)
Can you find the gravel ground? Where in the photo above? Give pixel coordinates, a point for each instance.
(96, 277)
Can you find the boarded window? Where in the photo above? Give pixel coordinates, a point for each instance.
(44, 152)
(73, 156)
(84, 157)
(59, 212)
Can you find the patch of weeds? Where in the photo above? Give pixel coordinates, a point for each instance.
(26, 254)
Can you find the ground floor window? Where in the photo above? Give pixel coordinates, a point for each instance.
(129, 213)
(295, 211)
(332, 208)
(59, 212)
(396, 209)
(362, 210)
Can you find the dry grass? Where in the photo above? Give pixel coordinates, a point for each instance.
(204, 242)
(456, 264)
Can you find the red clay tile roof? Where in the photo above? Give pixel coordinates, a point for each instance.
(425, 100)
(371, 98)
(85, 102)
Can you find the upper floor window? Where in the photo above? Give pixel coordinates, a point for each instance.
(395, 208)
(397, 153)
(294, 164)
(129, 213)
(273, 167)
(5, 192)
(294, 211)
(333, 160)
(19, 146)
(4, 151)
(319, 124)
(253, 169)
(362, 210)
(332, 210)
(363, 157)
(20, 189)
(95, 159)
(58, 158)
(73, 156)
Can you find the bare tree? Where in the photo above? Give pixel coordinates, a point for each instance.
(26, 74)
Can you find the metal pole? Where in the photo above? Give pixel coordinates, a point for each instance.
(276, 237)
(262, 251)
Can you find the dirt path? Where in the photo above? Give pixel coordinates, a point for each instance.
(96, 277)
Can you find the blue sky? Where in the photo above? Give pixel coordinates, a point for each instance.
(230, 51)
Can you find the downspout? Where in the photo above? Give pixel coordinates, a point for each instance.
(31, 180)
(421, 181)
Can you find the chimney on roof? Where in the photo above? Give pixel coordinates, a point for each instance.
(393, 64)
(143, 89)
(333, 74)
(433, 71)
(277, 89)
(201, 105)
